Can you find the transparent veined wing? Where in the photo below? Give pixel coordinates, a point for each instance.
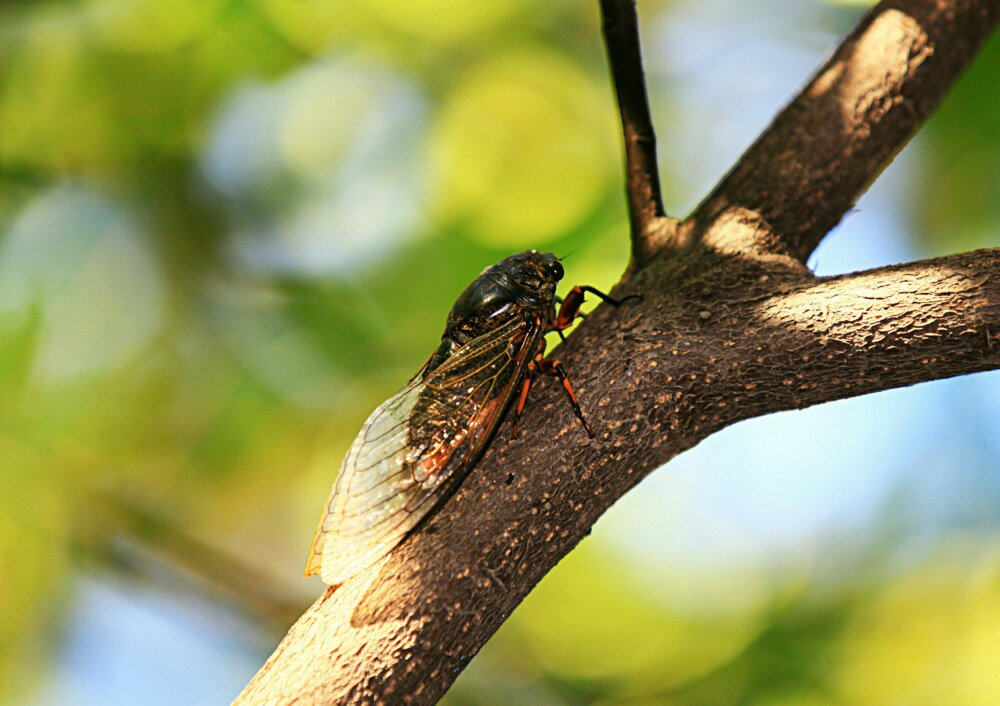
(415, 448)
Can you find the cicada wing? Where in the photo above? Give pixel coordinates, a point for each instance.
(375, 467)
(414, 448)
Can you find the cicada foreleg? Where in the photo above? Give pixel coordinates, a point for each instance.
(569, 308)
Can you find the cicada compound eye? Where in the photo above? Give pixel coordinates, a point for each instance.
(554, 270)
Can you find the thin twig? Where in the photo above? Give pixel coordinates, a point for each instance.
(187, 561)
(642, 182)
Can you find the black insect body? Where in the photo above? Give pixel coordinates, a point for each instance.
(419, 444)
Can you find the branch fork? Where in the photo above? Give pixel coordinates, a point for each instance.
(732, 325)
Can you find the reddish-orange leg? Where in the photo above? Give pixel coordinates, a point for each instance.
(523, 395)
(579, 315)
(569, 310)
(554, 367)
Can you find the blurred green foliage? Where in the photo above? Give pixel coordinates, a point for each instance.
(958, 197)
(230, 228)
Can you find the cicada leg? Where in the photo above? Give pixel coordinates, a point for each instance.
(569, 311)
(555, 368)
(569, 308)
(579, 315)
(522, 397)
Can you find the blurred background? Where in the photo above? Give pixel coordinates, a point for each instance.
(230, 228)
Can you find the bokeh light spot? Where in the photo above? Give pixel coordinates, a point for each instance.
(322, 171)
(87, 266)
(522, 147)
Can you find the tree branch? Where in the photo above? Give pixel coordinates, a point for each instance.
(651, 230)
(728, 328)
(656, 377)
(824, 149)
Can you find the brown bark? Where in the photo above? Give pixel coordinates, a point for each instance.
(730, 326)
(707, 346)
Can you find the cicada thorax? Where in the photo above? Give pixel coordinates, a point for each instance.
(522, 287)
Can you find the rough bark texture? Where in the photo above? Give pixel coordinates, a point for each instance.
(731, 325)
(708, 346)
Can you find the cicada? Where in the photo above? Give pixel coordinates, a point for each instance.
(416, 448)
